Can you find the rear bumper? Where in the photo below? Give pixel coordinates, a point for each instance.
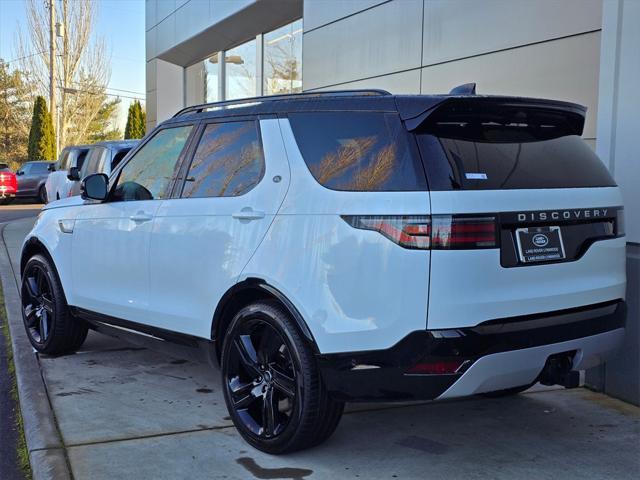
(499, 354)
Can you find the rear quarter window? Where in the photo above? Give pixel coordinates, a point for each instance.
(358, 151)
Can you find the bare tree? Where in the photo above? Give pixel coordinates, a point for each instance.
(82, 67)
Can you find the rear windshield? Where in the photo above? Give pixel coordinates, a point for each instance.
(358, 151)
(507, 148)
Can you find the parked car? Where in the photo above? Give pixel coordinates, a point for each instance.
(103, 157)
(344, 246)
(8, 184)
(58, 184)
(31, 178)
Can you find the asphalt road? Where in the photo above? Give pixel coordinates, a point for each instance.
(9, 468)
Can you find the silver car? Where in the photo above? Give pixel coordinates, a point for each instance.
(31, 179)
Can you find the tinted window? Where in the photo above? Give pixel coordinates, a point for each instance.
(118, 156)
(358, 151)
(82, 155)
(228, 161)
(507, 148)
(39, 168)
(149, 173)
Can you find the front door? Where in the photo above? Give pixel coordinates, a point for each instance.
(201, 242)
(110, 264)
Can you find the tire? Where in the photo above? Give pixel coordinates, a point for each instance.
(266, 362)
(49, 324)
(508, 392)
(42, 194)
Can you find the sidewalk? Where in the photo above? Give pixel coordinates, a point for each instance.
(125, 412)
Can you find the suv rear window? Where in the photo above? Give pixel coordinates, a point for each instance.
(494, 148)
(358, 151)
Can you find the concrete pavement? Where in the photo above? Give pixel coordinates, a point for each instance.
(126, 412)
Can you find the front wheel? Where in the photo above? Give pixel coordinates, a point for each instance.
(272, 386)
(50, 326)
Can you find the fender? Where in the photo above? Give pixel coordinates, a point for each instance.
(257, 288)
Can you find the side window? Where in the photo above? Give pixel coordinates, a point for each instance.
(39, 168)
(92, 162)
(149, 173)
(63, 163)
(358, 151)
(228, 162)
(25, 169)
(118, 156)
(82, 155)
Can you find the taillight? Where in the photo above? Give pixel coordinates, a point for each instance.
(422, 232)
(407, 231)
(463, 232)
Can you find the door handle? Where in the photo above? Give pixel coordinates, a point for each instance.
(248, 213)
(141, 217)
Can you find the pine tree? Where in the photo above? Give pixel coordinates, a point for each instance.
(42, 139)
(141, 120)
(136, 121)
(130, 120)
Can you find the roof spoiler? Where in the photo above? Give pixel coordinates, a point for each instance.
(415, 110)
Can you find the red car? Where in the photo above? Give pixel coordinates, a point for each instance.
(8, 184)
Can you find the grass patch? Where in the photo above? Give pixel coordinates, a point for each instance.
(21, 448)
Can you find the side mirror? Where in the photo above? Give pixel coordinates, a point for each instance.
(19, 172)
(95, 187)
(52, 167)
(74, 174)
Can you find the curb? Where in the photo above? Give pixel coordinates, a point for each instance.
(46, 450)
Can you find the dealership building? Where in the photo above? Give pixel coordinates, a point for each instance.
(583, 51)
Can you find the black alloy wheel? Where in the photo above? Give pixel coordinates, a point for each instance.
(48, 322)
(272, 386)
(262, 379)
(38, 306)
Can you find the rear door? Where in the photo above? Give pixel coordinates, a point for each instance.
(202, 240)
(525, 216)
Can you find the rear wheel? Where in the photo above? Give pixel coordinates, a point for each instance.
(272, 385)
(50, 326)
(42, 194)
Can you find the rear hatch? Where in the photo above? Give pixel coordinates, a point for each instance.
(525, 217)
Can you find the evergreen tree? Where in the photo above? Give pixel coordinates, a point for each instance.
(15, 114)
(42, 139)
(136, 121)
(130, 120)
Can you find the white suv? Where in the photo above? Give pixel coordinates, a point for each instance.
(344, 246)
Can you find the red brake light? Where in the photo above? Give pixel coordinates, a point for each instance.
(463, 232)
(441, 232)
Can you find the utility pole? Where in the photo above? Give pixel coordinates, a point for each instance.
(52, 68)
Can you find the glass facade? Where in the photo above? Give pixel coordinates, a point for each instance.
(240, 71)
(211, 80)
(270, 64)
(283, 59)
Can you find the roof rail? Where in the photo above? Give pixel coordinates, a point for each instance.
(271, 98)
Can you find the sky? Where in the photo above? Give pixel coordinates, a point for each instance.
(119, 22)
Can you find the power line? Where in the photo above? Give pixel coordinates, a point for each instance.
(26, 56)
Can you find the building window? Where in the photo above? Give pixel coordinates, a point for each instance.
(282, 59)
(240, 71)
(212, 81)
